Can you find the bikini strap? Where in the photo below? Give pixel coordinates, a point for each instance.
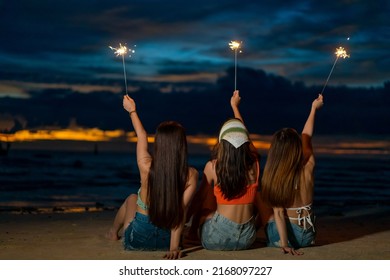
(140, 203)
(305, 219)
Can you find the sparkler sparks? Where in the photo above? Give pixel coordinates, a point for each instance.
(235, 46)
(122, 51)
(340, 52)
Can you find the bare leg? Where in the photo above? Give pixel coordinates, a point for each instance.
(123, 217)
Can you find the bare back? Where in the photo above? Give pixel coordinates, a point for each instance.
(306, 189)
(238, 213)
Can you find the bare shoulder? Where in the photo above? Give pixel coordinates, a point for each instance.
(209, 171)
(191, 181)
(192, 172)
(209, 166)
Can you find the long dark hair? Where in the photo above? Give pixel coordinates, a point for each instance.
(168, 176)
(232, 167)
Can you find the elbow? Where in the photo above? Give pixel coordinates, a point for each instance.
(141, 134)
(279, 212)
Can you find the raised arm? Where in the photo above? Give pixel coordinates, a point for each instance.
(142, 139)
(234, 102)
(309, 125)
(308, 129)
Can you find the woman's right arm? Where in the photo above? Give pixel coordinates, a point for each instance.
(308, 129)
(142, 138)
(282, 230)
(234, 102)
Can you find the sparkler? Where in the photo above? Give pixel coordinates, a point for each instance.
(122, 51)
(235, 46)
(340, 52)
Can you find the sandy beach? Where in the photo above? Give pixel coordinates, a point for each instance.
(354, 235)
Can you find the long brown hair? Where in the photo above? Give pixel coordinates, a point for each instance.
(168, 176)
(232, 167)
(283, 169)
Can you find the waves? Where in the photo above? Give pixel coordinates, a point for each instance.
(80, 181)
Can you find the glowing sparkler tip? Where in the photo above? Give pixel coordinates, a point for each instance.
(121, 50)
(341, 52)
(234, 45)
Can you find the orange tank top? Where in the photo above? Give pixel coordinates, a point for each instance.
(247, 198)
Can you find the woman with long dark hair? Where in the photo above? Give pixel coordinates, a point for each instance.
(154, 218)
(223, 208)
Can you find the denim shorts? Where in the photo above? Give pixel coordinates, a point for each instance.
(298, 237)
(141, 234)
(222, 234)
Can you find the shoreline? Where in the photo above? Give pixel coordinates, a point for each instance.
(358, 234)
(322, 208)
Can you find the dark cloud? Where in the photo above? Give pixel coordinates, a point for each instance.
(269, 102)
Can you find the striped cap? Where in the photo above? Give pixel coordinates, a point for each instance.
(234, 131)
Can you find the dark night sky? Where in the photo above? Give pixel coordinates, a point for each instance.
(55, 64)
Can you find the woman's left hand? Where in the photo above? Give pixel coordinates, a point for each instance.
(173, 254)
(292, 251)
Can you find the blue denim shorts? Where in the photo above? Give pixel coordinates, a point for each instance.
(222, 234)
(141, 234)
(298, 237)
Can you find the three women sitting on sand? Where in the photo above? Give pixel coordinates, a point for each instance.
(224, 208)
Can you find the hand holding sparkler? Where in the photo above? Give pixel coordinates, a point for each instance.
(122, 51)
(340, 52)
(318, 102)
(234, 103)
(129, 104)
(235, 46)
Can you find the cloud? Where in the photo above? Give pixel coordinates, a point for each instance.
(9, 90)
(65, 43)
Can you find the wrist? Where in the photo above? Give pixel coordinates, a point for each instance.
(283, 244)
(175, 249)
(131, 112)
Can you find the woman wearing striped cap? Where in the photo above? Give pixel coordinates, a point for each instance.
(223, 207)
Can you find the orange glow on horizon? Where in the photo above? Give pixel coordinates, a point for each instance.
(322, 145)
(202, 140)
(77, 134)
(98, 135)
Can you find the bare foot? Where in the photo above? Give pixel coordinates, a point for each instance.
(112, 235)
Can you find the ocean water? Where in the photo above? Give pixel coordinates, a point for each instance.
(34, 180)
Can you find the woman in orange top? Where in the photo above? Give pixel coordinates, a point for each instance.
(224, 204)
